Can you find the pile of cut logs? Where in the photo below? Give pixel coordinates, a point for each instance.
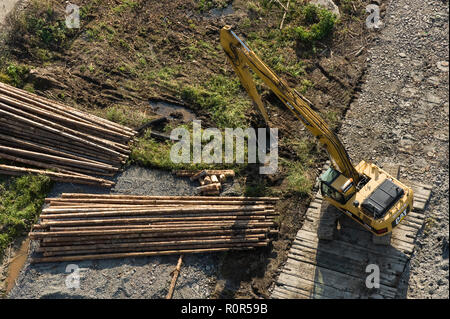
(92, 226)
(58, 141)
(210, 180)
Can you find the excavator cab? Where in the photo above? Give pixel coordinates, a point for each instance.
(336, 186)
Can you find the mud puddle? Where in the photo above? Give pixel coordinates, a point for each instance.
(17, 264)
(171, 110)
(219, 12)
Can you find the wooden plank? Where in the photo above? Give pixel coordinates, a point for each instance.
(336, 269)
(352, 253)
(298, 293)
(341, 265)
(322, 282)
(387, 253)
(311, 289)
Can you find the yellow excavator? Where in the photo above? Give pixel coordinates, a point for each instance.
(365, 192)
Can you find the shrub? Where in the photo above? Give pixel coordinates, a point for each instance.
(320, 24)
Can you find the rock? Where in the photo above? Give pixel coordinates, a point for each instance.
(44, 79)
(402, 55)
(329, 5)
(442, 65)
(430, 97)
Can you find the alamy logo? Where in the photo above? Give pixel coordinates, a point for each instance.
(73, 279)
(373, 20)
(72, 16)
(233, 141)
(373, 279)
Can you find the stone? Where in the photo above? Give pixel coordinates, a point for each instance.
(442, 65)
(329, 5)
(430, 97)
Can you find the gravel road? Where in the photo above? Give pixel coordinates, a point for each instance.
(145, 277)
(402, 116)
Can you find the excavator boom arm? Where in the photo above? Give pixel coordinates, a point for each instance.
(243, 59)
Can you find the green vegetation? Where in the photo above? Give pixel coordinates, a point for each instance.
(299, 180)
(149, 152)
(41, 27)
(21, 199)
(222, 98)
(14, 74)
(125, 5)
(256, 189)
(320, 23)
(205, 5)
(125, 115)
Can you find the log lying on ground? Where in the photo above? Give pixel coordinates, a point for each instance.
(205, 178)
(66, 144)
(128, 226)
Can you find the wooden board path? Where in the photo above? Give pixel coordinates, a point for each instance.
(337, 268)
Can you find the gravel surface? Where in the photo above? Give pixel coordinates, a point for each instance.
(402, 116)
(145, 277)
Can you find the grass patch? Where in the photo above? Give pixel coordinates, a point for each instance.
(222, 98)
(14, 74)
(298, 180)
(21, 199)
(257, 189)
(126, 115)
(319, 24)
(151, 153)
(125, 5)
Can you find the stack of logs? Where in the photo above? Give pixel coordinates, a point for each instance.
(92, 226)
(62, 142)
(210, 180)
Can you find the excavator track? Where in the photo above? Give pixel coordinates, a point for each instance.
(338, 268)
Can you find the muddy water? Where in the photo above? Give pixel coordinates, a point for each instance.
(172, 111)
(17, 264)
(219, 12)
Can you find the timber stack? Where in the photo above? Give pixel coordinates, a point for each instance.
(92, 226)
(58, 141)
(210, 180)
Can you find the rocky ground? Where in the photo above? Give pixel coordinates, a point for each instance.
(402, 116)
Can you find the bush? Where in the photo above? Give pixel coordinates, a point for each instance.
(40, 26)
(15, 75)
(21, 200)
(320, 24)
